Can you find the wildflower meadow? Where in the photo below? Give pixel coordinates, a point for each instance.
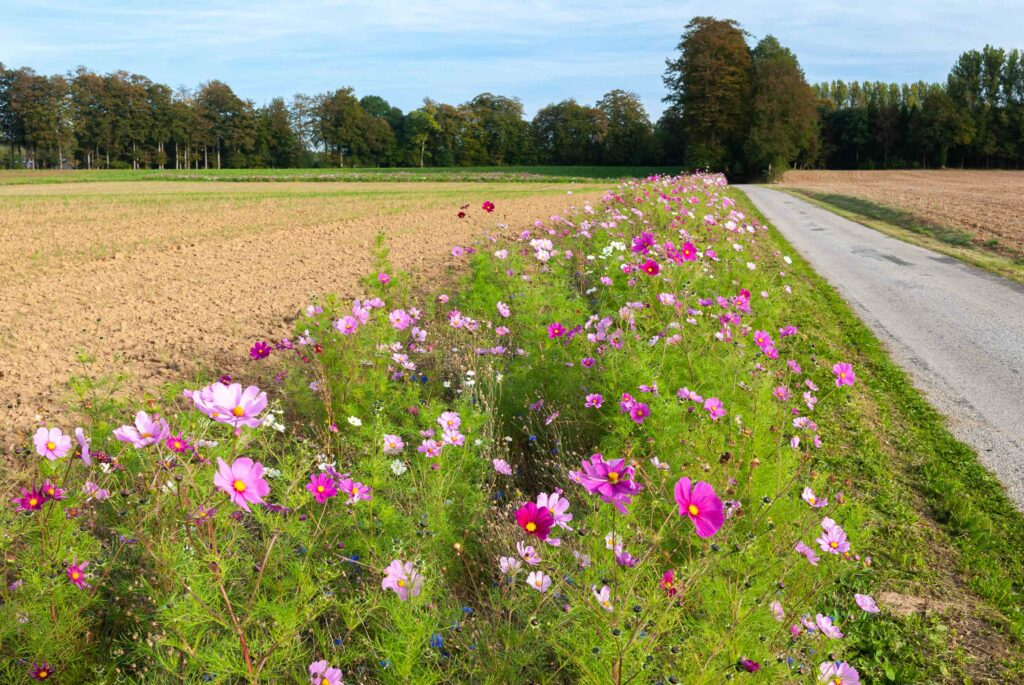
(608, 449)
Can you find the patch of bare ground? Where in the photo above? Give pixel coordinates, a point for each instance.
(155, 280)
(987, 204)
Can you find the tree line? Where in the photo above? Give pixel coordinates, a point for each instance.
(746, 110)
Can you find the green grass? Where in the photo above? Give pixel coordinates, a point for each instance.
(538, 174)
(911, 228)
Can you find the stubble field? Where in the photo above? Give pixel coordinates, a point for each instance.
(985, 205)
(154, 280)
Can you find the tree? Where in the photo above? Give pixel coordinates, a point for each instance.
(709, 87)
(569, 133)
(421, 124)
(630, 136)
(277, 144)
(783, 119)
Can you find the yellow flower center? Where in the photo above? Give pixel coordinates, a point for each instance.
(693, 510)
(239, 485)
(613, 476)
(146, 435)
(837, 680)
(33, 501)
(531, 526)
(539, 583)
(355, 491)
(43, 675)
(401, 583)
(75, 575)
(812, 499)
(319, 488)
(238, 411)
(325, 681)
(51, 445)
(833, 545)
(842, 374)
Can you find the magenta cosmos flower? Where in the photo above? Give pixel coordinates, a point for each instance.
(555, 330)
(147, 430)
(611, 480)
(536, 521)
(40, 671)
(700, 504)
(650, 267)
(30, 500)
(322, 673)
(838, 673)
(261, 349)
(322, 487)
(844, 374)
(242, 481)
(715, 408)
(688, 252)
(51, 443)
(403, 579)
(76, 574)
(594, 401)
(230, 403)
(487, 206)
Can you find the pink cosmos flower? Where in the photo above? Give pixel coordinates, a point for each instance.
(51, 491)
(611, 480)
(555, 330)
(504, 310)
(230, 404)
(826, 627)
(399, 319)
(51, 443)
(833, 540)
(715, 408)
(502, 467)
(688, 252)
(594, 401)
(242, 481)
(147, 430)
(30, 500)
(322, 673)
(356, 491)
(838, 673)
(509, 566)
(650, 267)
(449, 421)
(84, 446)
(700, 504)
(322, 487)
(844, 374)
(76, 574)
(808, 553)
(816, 502)
(539, 581)
(93, 491)
(177, 443)
(393, 444)
(558, 506)
(260, 350)
(528, 553)
(639, 411)
(778, 613)
(383, 278)
(536, 521)
(668, 583)
(346, 325)
(403, 579)
(867, 603)
(604, 597)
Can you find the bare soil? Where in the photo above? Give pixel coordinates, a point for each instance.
(987, 204)
(157, 279)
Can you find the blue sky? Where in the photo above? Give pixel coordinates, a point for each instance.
(450, 50)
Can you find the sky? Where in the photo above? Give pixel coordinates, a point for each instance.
(451, 50)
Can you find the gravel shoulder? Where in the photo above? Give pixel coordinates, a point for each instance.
(958, 330)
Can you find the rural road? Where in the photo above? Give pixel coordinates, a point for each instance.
(958, 330)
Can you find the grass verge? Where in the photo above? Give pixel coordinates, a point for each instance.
(913, 229)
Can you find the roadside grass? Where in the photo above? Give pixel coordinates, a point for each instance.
(522, 174)
(245, 596)
(911, 228)
(932, 500)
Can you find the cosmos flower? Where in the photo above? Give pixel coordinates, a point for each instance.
(393, 444)
(528, 553)
(555, 330)
(833, 540)
(346, 325)
(84, 446)
(399, 319)
(558, 506)
(403, 579)
(838, 673)
(700, 504)
(504, 310)
(356, 491)
(30, 500)
(449, 421)
(322, 673)
(509, 566)
(502, 467)
(76, 574)
(611, 480)
(778, 613)
(51, 491)
(177, 443)
(824, 624)
(322, 487)
(594, 401)
(650, 267)
(539, 581)
(808, 553)
(535, 520)
(867, 603)
(40, 671)
(242, 481)
(260, 350)
(749, 665)
(51, 443)
(668, 583)
(383, 278)
(817, 502)
(487, 206)
(230, 404)
(688, 252)
(603, 597)
(715, 408)
(844, 374)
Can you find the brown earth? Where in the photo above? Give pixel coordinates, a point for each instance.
(155, 279)
(987, 204)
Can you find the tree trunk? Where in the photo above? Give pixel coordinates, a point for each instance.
(218, 153)
(206, 157)
(423, 149)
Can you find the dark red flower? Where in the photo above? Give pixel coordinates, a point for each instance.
(488, 206)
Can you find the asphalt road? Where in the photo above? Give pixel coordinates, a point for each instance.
(958, 330)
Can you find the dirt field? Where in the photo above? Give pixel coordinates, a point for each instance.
(155, 278)
(987, 204)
